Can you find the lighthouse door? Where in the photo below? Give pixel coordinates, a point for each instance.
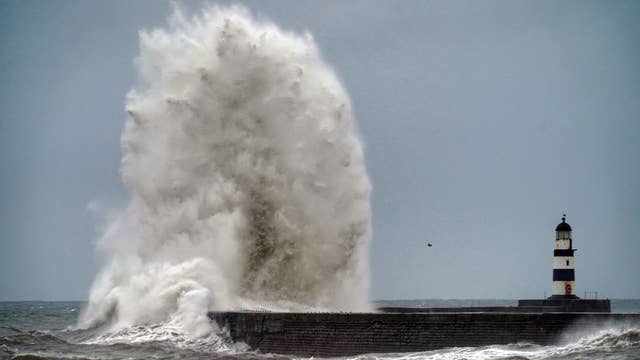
(567, 289)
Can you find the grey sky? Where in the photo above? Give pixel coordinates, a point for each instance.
(483, 121)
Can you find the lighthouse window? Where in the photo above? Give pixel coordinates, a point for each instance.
(567, 262)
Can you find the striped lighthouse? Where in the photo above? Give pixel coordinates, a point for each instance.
(563, 266)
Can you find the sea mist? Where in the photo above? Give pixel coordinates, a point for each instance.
(247, 178)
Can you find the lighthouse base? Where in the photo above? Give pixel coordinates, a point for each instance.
(562, 297)
(567, 303)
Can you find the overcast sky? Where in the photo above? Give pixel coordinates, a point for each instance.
(483, 121)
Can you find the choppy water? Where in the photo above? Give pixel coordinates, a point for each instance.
(45, 330)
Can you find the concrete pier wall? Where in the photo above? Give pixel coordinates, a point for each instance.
(568, 305)
(343, 334)
(524, 306)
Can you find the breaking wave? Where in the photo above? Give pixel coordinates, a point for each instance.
(612, 343)
(162, 342)
(247, 178)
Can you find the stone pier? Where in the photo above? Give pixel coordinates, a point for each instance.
(343, 334)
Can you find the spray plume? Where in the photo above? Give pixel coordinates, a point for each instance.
(248, 181)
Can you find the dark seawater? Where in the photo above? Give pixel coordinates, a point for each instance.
(45, 330)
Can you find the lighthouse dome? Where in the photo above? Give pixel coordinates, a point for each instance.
(563, 226)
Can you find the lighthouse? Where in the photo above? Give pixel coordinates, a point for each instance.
(564, 275)
(563, 292)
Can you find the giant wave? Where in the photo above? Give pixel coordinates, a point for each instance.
(247, 178)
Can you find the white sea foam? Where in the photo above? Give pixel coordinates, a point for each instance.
(617, 342)
(247, 178)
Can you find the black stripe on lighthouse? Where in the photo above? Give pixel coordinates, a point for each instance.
(563, 252)
(564, 275)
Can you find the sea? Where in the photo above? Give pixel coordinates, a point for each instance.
(31, 330)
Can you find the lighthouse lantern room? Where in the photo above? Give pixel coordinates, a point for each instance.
(563, 265)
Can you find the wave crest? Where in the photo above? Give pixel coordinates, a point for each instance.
(248, 180)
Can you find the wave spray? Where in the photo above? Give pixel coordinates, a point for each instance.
(249, 187)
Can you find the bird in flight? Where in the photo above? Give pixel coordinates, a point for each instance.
(429, 245)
